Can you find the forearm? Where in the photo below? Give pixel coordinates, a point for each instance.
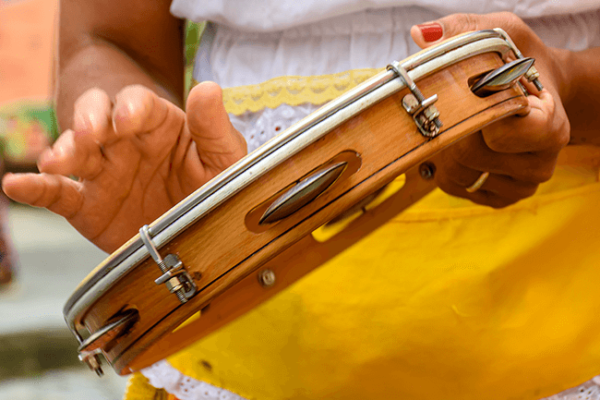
(110, 44)
(105, 66)
(580, 93)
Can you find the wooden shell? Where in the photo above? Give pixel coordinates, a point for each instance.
(224, 256)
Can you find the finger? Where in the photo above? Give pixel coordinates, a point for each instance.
(482, 196)
(138, 110)
(218, 143)
(427, 34)
(92, 116)
(57, 193)
(473, 153)
(454, 175)
(72, 154)
(433, 32)
(534, 132)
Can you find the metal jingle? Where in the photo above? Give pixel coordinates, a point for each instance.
(110, 331)
(303, 193)
(96, 342)
(502, 78)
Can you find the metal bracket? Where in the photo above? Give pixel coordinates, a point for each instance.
(174, 276)
(424, 113)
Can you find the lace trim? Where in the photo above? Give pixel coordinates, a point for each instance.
(262, 126)
(163, 376)
(292, 90)
(587, 391)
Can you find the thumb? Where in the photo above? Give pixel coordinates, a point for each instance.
(433, 32)
(218, 143)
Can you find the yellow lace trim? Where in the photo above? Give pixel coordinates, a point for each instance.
(293, 90)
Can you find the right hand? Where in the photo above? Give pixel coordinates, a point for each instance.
(134, 160)
(521, 151)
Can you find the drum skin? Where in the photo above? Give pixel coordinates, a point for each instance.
(224, 252)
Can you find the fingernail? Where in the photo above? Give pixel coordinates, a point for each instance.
(114, 123)
(121, 114)
(82, 125)
(431, 31)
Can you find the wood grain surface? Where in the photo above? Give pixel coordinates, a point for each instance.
(224, 256)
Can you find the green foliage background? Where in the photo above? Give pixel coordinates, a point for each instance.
(193, 33)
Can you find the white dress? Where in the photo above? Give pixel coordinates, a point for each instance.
(272, 38)
(366, 38)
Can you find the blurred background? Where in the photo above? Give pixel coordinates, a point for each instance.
(47, 259)
(42, 259)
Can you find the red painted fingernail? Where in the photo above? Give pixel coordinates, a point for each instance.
(431, 31)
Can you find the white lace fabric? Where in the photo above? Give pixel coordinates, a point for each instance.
(368, 39)
(590, 390)
(163, 376)
(276, 15)
(260, 127)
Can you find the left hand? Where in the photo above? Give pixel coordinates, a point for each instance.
(519, 152)
(135, 157)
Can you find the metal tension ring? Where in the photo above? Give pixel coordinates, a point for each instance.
(424, 113)
(175, 277)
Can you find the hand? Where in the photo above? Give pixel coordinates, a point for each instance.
(134, 160)
(519, 152)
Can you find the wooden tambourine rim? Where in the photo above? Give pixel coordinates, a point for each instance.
(298, 137)
(144, 348)
(169, 225)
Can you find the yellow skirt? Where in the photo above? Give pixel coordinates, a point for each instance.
(448, 300)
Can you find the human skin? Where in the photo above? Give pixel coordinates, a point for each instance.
(134, 150)
(137, 154)
(521, 152)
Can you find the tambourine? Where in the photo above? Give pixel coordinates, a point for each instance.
(300, 199)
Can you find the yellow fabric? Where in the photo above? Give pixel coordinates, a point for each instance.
(475, 304)
(293, 90)
(138, 388)
(326, 232)
(448, 300)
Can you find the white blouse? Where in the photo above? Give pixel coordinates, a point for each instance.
(369, 38)
(276, 15)
(322, 39)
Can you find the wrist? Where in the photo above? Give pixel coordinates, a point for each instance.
(562, 72)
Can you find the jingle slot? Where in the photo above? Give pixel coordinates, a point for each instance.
(474, 79)
(341, 222)
(303, 192)
(188, 321)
